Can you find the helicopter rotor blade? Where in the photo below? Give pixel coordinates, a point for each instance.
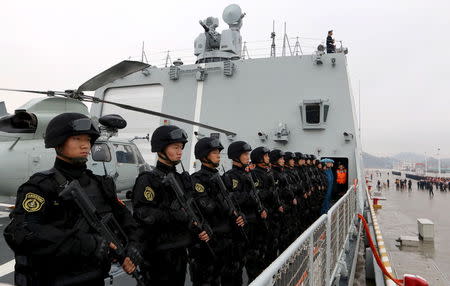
(164, 115)
(78, 95)
(117, 71)
(49, 93)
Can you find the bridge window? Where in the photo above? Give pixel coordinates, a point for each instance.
(314, 113)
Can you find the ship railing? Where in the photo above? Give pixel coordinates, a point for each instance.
(253, 49)
(317, 255)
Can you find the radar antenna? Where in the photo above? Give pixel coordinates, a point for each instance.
(297, 48)
(273, 47)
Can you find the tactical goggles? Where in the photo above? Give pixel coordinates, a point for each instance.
(178, 134)
(215, 144)
(84, 124)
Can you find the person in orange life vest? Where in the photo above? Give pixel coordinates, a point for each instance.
(341, 179)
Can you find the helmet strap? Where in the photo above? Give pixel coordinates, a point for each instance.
(239, 161)
(164, 156)
(208, 161)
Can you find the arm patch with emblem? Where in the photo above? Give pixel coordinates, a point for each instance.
(149, 193)
(235, 183)
(199, 188)
(32, 202)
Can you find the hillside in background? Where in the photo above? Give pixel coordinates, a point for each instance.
(371, 161)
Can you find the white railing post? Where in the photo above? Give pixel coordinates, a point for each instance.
(311, 259)
(328, 251)
(338, 227)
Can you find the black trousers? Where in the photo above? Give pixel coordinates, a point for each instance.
(233, 270)
(166, 267)
(206, 268)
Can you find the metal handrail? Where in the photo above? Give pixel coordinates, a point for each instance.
(344, 211)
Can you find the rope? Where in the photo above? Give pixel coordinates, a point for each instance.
(375, 253)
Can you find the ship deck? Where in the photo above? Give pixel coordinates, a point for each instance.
(398, 217)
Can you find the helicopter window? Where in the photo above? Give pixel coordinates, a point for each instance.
(125, 154)
(139, 155)
(20, 122)
(312, 113)
(101, 153)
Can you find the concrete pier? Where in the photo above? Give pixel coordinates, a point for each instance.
(398, 217)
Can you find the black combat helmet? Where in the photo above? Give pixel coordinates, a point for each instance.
(289, 156)
(165, 135)
(206, 145)
(236, 149)
(299, 156)
(69, 124)
(275, 155)
(257, 155)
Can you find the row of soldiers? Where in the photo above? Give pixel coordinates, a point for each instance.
(219, 225)
(442, 184)
(248, 217)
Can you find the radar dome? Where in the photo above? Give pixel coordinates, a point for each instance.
(232, 14)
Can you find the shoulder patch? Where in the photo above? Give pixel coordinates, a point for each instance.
(199, 188)
(32, 202)
(235, 183)
(149, 193)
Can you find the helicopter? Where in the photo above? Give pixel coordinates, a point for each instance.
(24, 151)
(22, 134)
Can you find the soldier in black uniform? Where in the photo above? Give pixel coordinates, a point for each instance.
(167, 228)
(318, 187)
(319, 196)
(305, 203)
(52, 242)
(206, 269)
(239, 183)
(287, 197)
(297, 187)
(265, 183)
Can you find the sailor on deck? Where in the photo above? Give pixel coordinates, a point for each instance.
(329, 175)
(331, 47)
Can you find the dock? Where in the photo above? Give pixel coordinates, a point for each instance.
(398, 217)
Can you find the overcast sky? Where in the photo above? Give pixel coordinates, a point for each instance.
(398, 51)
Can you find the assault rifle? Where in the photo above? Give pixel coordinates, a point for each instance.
(275, 190)
(190, 207)
(107, 226)
(255, 197)
(226, 198)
